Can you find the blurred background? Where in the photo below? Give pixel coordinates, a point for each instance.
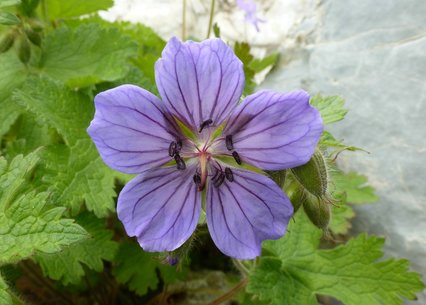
(373, 54)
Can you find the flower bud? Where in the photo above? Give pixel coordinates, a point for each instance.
(24, 50)
(313, 176)
(318, 211)
(297, 198)
(34, 37)
(7, 42)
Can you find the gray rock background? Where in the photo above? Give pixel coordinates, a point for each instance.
(372, 53)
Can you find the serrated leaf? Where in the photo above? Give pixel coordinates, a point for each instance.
(6, 3)
(137, 269)
(69, 112)
(12, 74)
(75, 171)
(68, 265)
(258, 65)
(78, 173)
(341, 213)
(330, 107)
(5, 298)
(328, 140)
(295, 270)
(73, 8)
(242, 51)
(355, 187)
(7, 18)
(26, 225)
(86, 55)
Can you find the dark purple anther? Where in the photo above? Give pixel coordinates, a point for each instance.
(236, 157)
(219, 180)
(228, 174)
(172, 149)
(229, 143)
(205, 124)
(180, 164)
(197, 179)
(178, 145)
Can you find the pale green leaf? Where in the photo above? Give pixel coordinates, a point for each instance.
(12, 74)
(354, 186)
(294, 270)
(330, 107)
(6, 3)
(341, 214)
(75, 171)
(67, 265)
(138, 269)
(328, 140)
(5, 298)
(73, 8)
(7, 18)
(26, 224)
(67, 111)
(78, 173)
(258, 65)
(86, 55)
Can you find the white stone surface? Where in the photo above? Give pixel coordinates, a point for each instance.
(373, 53)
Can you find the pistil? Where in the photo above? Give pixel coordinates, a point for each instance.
(203, 157)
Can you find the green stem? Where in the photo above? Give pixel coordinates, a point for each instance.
(211, 19)
(15, 299)
(184, 20)
(230, 293)
(44, 10)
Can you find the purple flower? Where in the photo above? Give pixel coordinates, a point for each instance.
(249, 7)
(200, 147)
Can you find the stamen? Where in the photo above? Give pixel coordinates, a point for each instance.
(172, 149)
(178, 145)
(236, 157)
(218, 182)
(229, 143)
(228, 174)
(205, 124)
(197, 179)
(180, 164)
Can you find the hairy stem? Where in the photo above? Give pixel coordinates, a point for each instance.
(211, 19)
(228, 295)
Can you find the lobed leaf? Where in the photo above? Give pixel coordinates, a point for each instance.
(68, 265)
(5, 298)
(26, 224)
(138, 269)
(330, 107)
(75, 171)
(72, 8)
(294, 271)
(86, 55)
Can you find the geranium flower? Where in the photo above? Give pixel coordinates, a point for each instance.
(249, 8)
(199, 146)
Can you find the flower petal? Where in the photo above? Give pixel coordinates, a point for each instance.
(199, 81)
(275, 131)
(161, 208)
(130, 130)
(243, 213)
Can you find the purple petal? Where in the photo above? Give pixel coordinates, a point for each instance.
(161, 208)
(199, 81)
(243, 213)
(275, 131)
(130, 129)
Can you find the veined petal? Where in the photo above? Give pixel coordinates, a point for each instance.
(243, 213)
(130, 129)
(275, 131)
(199, 81)
(161, 208)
